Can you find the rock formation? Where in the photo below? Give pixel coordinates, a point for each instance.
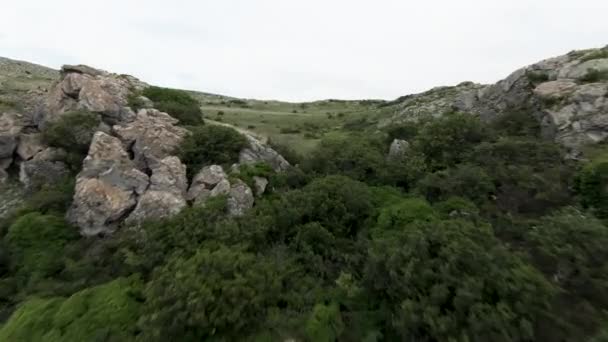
(567, 94)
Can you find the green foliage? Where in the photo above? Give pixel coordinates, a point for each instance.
(447, 141)
(396, 216)
(404, 131)
(357, 157)
(518, 123)
(537, 77)
(107, 312)
(177, 103)
(135, 101)
(592, 185)
(452, 280)
(210, 144)
(464, 180)
(217, 292)
(325, 323)
(73, 132)
(36, 245)
(247, 172)
(594, 75)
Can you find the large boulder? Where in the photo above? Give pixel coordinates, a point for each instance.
(166, 194)
(398, 150)
(107, 188)
(11, 125)
(85, 88)
(240, 199)
(257, 152)
(45, 167)
(205, 181)
(152, 136)
(29, 145)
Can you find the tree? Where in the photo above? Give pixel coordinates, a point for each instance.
(210, 144)
(592, 185)
(220, 292)
(452, 280)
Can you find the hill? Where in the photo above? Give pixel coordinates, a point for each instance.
(132, 212)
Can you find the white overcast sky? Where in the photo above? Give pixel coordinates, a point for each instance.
(301, 50)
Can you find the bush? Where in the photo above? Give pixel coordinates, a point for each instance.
(209, 145)
(464, 180)
(73, 132)
(359, 157)
(222, 292)
(404, 131)
(448, 140)
(592, 186)
(36, 245)
(445, 279)
(177, 103)
(594, 75)
(107, 312)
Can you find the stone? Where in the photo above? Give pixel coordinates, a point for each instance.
(580, 70)
(154, 205)
(398, 150)
(29, 145)
(169, 176)
(555, 89)
(206, 179)
(152, 135)
(11, 124)
(107, 188)
(51, 154)
(260, 185)
(240, 199)
(257, 152)
(82, 69)
(221, 188)
(98, 206)
(33, 174)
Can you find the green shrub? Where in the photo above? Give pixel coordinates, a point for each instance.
(221, 292)
(73, 132)
(177, 103)
(209, 145)
(396, 216)
(448, 140)
(404, 131)
(36, 245)
(536, 77)
(445, 279)
(598, 54)
(518, 123)
(595, 75)
(107, 312)
(325, 323)
(592, 186)
(464, 180)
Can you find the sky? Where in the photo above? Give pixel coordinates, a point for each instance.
(301, 50)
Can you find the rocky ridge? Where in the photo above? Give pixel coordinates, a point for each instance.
(130, 173)
(567, 94)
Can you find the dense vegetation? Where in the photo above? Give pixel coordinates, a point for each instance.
(478, 233)
(177, 103)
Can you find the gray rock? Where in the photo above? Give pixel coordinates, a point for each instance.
(240, 199)
(152, 135)
(398, 150)
(29, 145)
(82, 69)
(33, 174)
(206, 179)
(165, 196)
(107, 188)
(260, 185)
(11, 124)
(555, 89)
(580, 70)
(257, 152)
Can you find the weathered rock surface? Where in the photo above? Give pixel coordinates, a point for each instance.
(240, 199)
(398, 149)
(570, 105)
(258, 152)
(152, 136)
(29, 145)
(166, 195)
(83, 87)
(260, 185)
(11, 125)
(212, 181)
(107, 188)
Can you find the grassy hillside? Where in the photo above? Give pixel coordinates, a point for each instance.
(300, 125)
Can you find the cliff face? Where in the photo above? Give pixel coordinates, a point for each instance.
(567, 94)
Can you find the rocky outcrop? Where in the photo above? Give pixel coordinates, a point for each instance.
(212, 181)
(166, 194)
(107, 188)
(260, 153)
(85, 88)
(152, 136)
(398, 150)
(567, 94)
(260, 185)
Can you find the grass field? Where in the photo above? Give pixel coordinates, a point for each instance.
(299, 125)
